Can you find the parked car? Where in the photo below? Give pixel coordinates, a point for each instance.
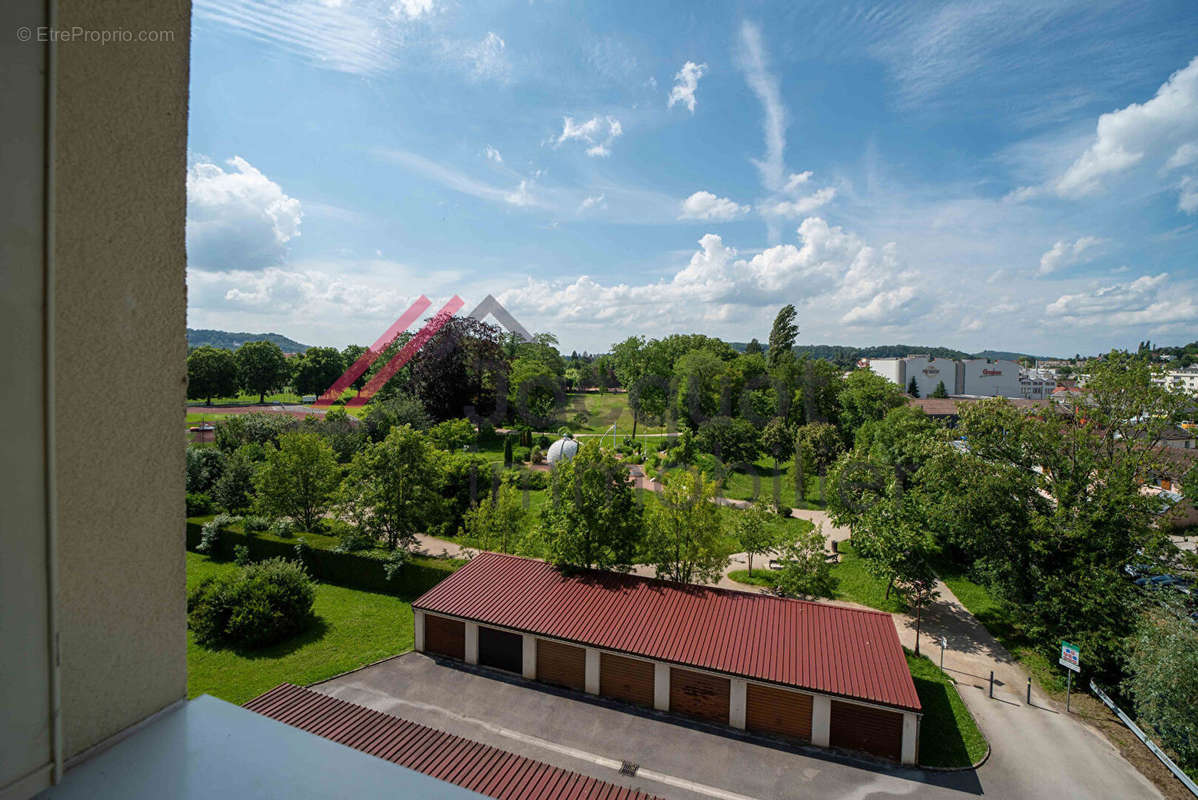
(1138, 570)
(1164, 581)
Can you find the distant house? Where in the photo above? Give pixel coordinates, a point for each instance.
(947, 409)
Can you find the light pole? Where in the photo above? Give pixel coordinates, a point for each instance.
(943, 644)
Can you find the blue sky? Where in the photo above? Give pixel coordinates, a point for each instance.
(967, 174)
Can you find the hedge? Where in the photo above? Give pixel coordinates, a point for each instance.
(363, 570)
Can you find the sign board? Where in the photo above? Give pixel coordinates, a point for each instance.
(1070, 656)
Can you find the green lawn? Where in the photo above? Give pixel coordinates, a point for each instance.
(602, 409)
(761, 480)
(856, 584)
(353, 628)
(948, 736)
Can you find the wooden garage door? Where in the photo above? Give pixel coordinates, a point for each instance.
(869, 729)
(778, 711)
(628, 679)
(562, 664)
(443, 636)
(697, 694)
(500, 649)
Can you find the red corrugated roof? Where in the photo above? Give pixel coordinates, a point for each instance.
(477, 767)
(831, 649)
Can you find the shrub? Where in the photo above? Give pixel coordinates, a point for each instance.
(241, 555)
(537, 456)
(258, 605)
(198, 504)
(255, 524)
(530, 479)
(209, 538)
(283, 528)
(204, 468)
(732, 441)
(521, 455)
(259, 427)
(543, 442)
(452, 435)
(352, 540)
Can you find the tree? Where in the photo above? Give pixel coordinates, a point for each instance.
(389, 493)
(349, 356)
(732, 441)
(234, 492)
(754, 348)
(316, 370)
(591, 518)
(211, 372)
(913, 388)
(534, 392)
(261, 367)
(298, 478)
(939, 392)
(699, 376)
(683, 537)
(782, 337)
(805, 569)
(507, 451)
(865, 396)
(1163, 671)
(452, 435)
(777, 440)
(497, 521)
(461, 371)
(394, 412)
(755, 531)
(819, 445)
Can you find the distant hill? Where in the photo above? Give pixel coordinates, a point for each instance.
(846, 356)
(198, 337)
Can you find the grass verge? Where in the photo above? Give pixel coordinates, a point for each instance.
(948, 735)
(352, 629)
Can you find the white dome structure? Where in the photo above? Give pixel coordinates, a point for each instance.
(561, 450)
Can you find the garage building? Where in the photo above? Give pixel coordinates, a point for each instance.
(816, 673)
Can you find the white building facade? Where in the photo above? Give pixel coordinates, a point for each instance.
(980, 377)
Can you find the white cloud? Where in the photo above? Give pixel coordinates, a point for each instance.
(1065, 254)
(521, 196)
(686, 81)
(796, 181)
(793, 209)
(832, 272)
(705, 205)
(458, 181)
(765, 85)
(1163, 130)
(492, 154)
(1150, 300)
(486, 59)
(411, 9)
(237, 219)
(593, 201)
(597, 132)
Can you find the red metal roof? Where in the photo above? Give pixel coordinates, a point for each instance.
(471, 765)
(830, 649)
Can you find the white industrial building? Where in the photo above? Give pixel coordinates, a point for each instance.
(979, 377)
(1180, 379)
(1037, 384)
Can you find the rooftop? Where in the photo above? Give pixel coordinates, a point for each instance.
(830, 649)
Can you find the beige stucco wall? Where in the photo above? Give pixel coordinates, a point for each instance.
(119, 347)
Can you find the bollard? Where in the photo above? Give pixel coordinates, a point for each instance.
(1029, 691)
(992, 683)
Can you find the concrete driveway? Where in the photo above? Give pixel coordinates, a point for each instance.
(675, 759)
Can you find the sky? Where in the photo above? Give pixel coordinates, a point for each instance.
(1006, 175)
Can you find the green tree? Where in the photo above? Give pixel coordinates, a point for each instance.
(394, 412)
(782, 337)
(452, 435)
(819, 445)
(389, 493)
(777, 440)
(699, 376)
(507, 451)
(211, 372)
(298, 478)
(261, 367)
(683, 536)
(349, 355)
(591, 518)
(497, 522)
(316, 370)
(939, 392)
(534, 392)
(235, 489)
(1163, 671)
(805, 569)
(754, 348)
(755, 531)
(865, 396)
(732, 441)
(913, 388)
